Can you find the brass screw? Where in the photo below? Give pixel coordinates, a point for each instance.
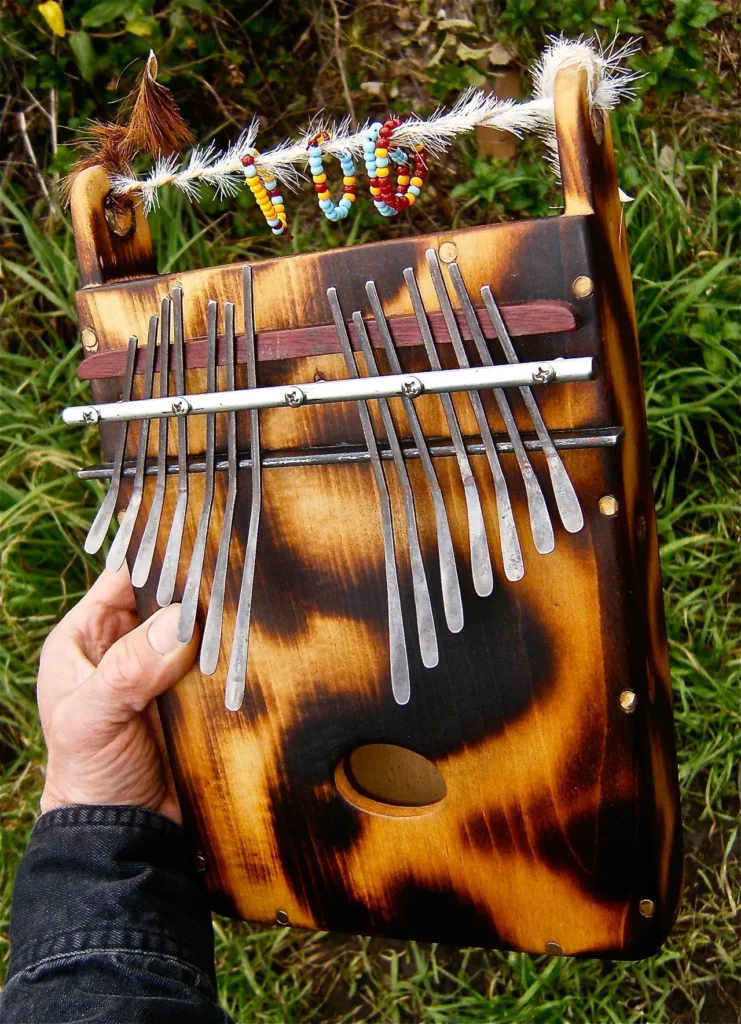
(281, 917)
(582, 287)
(628, 701)
(608, 505)
(553, 949)
(89, 340)
(647, 908)
(448, 252)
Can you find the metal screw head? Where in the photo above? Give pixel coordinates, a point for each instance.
(295, 397)
(89, 340)
(647, 908)
(448, 252)
(553, 949)
(281, 917)
(199, 863)
(628, 701)
(544, 374)
(90, 416)
(412, 387)
(608, 505)
(582, 287)
(180, 406)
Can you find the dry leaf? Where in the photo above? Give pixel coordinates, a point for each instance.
(53, 15)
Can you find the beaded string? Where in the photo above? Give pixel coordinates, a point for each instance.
(330, 209)
(267, 196)
(378, 148)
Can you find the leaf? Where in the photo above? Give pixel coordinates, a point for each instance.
(141, 26)
(82, 47)
(475, 78)
(53, 15)
(107, 11)
(469, 52)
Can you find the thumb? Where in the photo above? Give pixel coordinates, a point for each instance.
(140, 666)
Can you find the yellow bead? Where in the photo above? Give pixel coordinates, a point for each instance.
(324, 195)
(412, 198)
(403, 179)
(416, 181)
(382, 172)
(349, 180)
(374, 191)
(278, 207)
(350, 196)
(319, 178)
(382, 152)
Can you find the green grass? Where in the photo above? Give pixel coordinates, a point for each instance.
(685, 232)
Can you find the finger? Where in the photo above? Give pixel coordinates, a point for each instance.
(139, 667)
(112, 591)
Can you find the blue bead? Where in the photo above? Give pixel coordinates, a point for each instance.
(278, 231)
(273, 222)
(276, 199)
(376, 127)
(250, 171)
(315, 150)
(326, 204)
(370, 167)
(382, 161)
(414, 189)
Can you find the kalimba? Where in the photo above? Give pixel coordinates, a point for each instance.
(404, 490)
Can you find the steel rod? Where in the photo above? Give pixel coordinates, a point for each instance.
(540, 520)
(426, 632)
(509, 541)
(399, 663)
(145, 554)
(450, 585)
(471, 378)
(567, 501)
(211, 641)
(120, 545)
(481, 570)
(189, 606)
(169, 572)
(99, 529)
(236, 679)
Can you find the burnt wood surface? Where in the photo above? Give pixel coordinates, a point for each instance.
(561, 813)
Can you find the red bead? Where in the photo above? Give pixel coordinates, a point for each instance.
(320, 188)
(247, 161)
(401, 203)
(349, 189)
(385, 132)
(273, 191)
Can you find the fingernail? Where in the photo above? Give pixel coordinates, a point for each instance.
(163, 633)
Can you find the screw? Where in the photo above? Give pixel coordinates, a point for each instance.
(90, 416)
(628, 701)
(180, 407)
(544, 374)
(553, 949)
(448, 252)
(647, 908)
(608, 505)
(89, 340)
(295, 397)
(412, 387)
(199, 863)
(281, 917)
(582, 287)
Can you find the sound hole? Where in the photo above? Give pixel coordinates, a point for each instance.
(390, 775)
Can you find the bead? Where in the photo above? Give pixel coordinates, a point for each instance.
(411, 197)
(349, 179)
(349, 197)
(250, 171)
(382, 152)
(325, 195)
(403, 179)
(382, 172)
(349, 189)
(382, 161)
(414, 190)
(375, 191)
(417, 181)
(319, 178)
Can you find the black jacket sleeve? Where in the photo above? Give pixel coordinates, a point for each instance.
(109, 924)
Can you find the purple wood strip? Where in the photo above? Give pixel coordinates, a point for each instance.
(548, 316)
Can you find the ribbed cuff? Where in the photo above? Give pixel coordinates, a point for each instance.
(100, 877)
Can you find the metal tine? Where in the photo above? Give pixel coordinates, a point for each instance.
(143, 562)
(211, 642)
(540, 520)
(99, 529)
(563, 489)
(400, 684)
(121, 541)
(189, 605)
(483, 576)
(508, 538)
(237, 672)
(449, 582)
(168, 575)
(422, 604)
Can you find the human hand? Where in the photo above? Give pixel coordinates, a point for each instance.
(99, 673)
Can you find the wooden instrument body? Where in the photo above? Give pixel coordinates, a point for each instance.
(561, 813)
